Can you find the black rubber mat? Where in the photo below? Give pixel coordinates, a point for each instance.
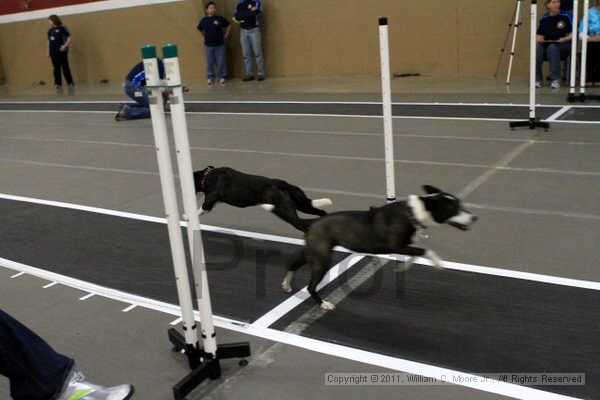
(426, 110)
(473, 323)
(582, 114)
(134, 256)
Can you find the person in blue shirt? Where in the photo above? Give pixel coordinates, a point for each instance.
(215, 30)
(247, 13)
(135, 88)
(593, 23)
(59, 39)
(553, 39)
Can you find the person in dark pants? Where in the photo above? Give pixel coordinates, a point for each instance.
(59, 39)
(135, 88)
(553, 39)
(215, 29)
(37, 372)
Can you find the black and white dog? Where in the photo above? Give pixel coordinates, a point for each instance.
(389, 229)
(235, 188)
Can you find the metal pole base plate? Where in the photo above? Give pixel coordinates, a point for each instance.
(531, 123)
(204, 365)
(571, 98)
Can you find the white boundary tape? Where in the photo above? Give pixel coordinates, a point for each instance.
(349, 353)
(508, 273)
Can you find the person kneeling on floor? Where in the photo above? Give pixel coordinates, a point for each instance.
(135, 88)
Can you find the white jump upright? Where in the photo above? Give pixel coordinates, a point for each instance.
(159, 127)
(514, 39)
(386, 92)
(203, 361)
(532, 123)
(186, 178)
(584, 47)
(573, 72)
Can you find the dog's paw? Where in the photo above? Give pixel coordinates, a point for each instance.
(286, 287)
(435, 259)
(319, 203)
(267, 207)
(201, 211)
(407, 264)
(325, 305)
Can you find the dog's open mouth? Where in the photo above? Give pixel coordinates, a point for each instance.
(459, 226)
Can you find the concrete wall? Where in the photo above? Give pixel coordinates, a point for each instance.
(300, 38)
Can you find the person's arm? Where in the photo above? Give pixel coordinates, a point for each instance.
(567, 38)
(227, 30)
(48, 48)
(67, 43)
(540, 38)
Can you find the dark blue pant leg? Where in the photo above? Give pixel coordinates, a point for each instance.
(34, 369)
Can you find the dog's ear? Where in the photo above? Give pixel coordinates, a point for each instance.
(431, 189)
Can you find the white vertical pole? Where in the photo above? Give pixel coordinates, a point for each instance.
(574, 49)
(186, 177)
(584, 46)
(386, 92)
(159, 128)
(514, 40)
(532, 59)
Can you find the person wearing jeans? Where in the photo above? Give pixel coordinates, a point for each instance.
(553, 38)
(215, 29)
(37, 372)
(135, 88)
(247, 13)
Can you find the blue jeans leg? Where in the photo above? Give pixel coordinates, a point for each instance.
(539, 61)
(247, 51)
(211, 60)
(138, 94)
(256, 42)
(553, 53)
(220, 56)
(34, 369)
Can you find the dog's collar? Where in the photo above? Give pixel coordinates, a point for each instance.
(204, 178)
(419, 217)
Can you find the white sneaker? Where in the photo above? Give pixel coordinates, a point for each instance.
(222, 81)
(209, 81)
(555, 84)
(79, 389)
(538, 84)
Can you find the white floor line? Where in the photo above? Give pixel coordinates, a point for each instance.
(308, 102)
(131, 307)
(87, 296)
(558, 114)
(305, 155)
(17, 275)
(175, 322)
(502, 163)
(309, 115)
(49, 285)
(349, 353)
(298, 298)
(283, 239)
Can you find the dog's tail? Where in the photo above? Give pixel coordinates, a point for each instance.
(303, 203)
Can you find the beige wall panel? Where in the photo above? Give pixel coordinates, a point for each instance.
(300, 38)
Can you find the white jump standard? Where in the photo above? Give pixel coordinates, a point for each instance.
(584, 47)
(386, 93)
(204, 361)
(532, 123)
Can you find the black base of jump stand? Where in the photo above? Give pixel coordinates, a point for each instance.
(204, 365)
(572, 98)
(532, 123)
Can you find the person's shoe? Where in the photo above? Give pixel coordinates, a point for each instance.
(121, 113)
(209, 81)
(248, 78)
(79, 389)
(222, 81)
(260, 78)
(71, 85)
(58, 87)
(555, 84)
(538, 84)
